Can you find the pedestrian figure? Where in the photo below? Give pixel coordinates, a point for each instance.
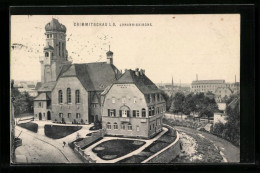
(64, 143)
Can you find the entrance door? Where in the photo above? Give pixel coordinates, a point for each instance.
(48, 115)
(40, 116)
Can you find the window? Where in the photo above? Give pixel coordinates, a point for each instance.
(129, 127)
(113, 100)
(150, 127)
(77, 94)
(137, 128)
(59, 48)
(77, 115)
(137, 113)
(134, 113)
(115, 126)
(124, 113)
(50, 35)
(60, 96)
(134, 100)
(111, 112)
(108, 125)
(68, 95)
(47, 35)
(143, 113)
(60, 115)
(123, 126)
(40, 104)
(158, 97)
(46, 54)
(69, 115)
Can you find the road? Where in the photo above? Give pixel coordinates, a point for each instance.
(229, 152)
(38, 151)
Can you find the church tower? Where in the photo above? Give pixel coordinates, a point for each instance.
(55, 53)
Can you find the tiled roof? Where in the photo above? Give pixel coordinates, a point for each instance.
(93, 76)
(42, 96)
(143, 83)
(47, 86)
(208, 82)
(38, 85)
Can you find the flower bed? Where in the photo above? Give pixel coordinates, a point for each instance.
(30, 126)
(57, 132)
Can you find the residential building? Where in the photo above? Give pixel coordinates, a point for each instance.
(133, 106)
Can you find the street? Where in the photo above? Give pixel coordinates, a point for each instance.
(38, 151)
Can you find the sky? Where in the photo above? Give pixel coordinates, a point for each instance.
(175, 46)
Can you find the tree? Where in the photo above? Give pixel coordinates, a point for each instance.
(168, 100)
(189, 105)
(177, 103)
(22, 101)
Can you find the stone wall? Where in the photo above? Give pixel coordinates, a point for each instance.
(167, 154)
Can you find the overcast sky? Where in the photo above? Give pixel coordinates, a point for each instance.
(175, 45)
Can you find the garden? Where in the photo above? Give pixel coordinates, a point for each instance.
(29, 126)
(162, 142)
(116, 148)
(57, 132)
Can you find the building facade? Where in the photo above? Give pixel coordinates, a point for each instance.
(132, 106)
(70, 93)
(206, 85)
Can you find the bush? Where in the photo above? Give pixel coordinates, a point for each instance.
(30, 126)
(57, 132)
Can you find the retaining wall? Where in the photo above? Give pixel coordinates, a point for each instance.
(167, 154)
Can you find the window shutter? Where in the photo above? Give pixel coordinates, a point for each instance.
(128, 113)
(114, 113)
(108, 112)
(120, 113)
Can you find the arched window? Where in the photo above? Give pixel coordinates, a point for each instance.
(60, 96)
(46, 54)
(108, 125)
(129, 127)
(115, 126)
(77, 96)
(68, 95)
(143, 112)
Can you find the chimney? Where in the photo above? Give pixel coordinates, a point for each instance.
(141, 72)
(137, 71)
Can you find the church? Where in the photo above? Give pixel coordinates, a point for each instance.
(70, 93)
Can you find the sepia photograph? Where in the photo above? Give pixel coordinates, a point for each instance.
(151, 88)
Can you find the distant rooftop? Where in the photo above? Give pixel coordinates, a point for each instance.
(208, 82)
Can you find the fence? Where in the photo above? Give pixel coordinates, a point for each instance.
(85, 157)
(86, 142)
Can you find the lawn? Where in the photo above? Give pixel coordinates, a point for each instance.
(116, 148)
(57, 132)
(162, 142)
(30, 126)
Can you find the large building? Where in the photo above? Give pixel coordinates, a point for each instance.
(133, 106)
(206, 85)
(68, 92)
